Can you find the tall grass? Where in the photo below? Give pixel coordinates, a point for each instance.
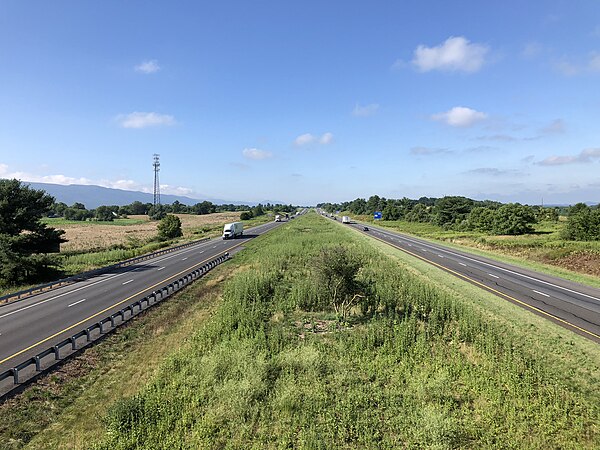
(412, 367)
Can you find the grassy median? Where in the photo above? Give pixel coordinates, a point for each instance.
(415, 365)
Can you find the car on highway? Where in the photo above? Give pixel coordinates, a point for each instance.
(365, 228)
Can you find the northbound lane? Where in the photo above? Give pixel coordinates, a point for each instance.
(40, 321)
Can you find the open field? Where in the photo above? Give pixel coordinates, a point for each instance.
(544, 247)
(97, 244)
(426, 361)
(89, 235)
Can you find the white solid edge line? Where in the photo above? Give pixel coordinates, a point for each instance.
(503, 269)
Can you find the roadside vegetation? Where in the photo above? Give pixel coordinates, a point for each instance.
(318, 337)
(407, 364)
(567, 238)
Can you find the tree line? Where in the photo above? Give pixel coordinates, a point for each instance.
(462, 213)
(107, 213)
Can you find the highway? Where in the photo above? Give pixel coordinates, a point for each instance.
(572, 305)
(38, 322)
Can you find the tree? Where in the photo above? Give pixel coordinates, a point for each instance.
(138, 208)
(76, 214)
(156, 213)
(337, 271)
(246, 215)
(482, 219)
(169, 227)
(514, 218)
(24, 240)
(419, 213)
(451, 210)
(583, 224)
(257, 210)
(104, 214)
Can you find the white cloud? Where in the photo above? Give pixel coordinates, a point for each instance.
(365, 111)
(175, 190)
(399, 64)
(126, 185)
(494, 172)
(326, 139)
(144, 120)
(304, 139)
(594, 63)
(147, 67)
(585, 156)
(460, 116)
(256, 154)
(426, 151)
(555, 127)
(455, 54)
(531, 50)
(569, 68)
(308, 139)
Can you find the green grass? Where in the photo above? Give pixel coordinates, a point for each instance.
(64, 409)
(420, 365)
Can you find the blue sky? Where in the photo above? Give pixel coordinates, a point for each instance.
(305, 102)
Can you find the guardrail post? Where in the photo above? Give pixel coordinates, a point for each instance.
(15, 372)
(88, 333)
(38, 363)
(56, 350)
(73, 343)
(99, 324)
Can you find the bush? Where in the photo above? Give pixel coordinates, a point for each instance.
(170, 227)
(337, 270)
(246, 215)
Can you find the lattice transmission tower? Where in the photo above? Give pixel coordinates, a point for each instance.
(156, 165)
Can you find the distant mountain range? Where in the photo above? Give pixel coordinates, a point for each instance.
(94, 196)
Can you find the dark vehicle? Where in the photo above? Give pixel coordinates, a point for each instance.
(365, 228)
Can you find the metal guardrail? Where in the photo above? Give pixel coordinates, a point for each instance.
(107, 324)
(20, 295)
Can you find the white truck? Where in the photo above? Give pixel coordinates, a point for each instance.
(233, 230)
(345, 219)
(277, 218)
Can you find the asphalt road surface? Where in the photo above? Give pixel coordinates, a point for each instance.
(572, 305)
(38, 322)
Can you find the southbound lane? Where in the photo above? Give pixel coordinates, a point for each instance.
(38, 322)
(574, 306)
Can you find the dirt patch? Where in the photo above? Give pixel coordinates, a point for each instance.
(583, 262)
(317, 326)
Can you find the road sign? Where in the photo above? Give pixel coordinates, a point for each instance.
(377, 215)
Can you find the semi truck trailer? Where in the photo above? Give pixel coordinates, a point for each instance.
(233, 230)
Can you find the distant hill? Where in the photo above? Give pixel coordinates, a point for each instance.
(94, 196)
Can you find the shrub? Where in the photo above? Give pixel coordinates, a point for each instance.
(170, 227)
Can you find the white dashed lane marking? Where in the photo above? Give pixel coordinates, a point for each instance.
(73, 304)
